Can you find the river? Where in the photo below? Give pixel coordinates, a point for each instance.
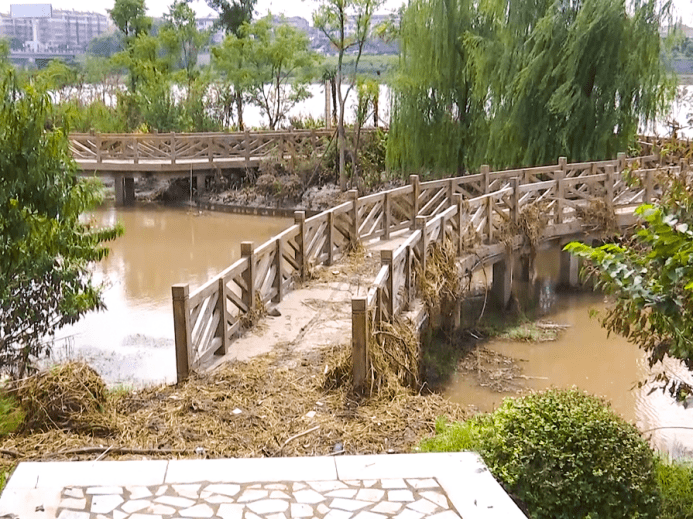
(583, 356)
(132, 341)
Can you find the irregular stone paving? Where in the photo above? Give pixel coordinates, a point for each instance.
(401, 498)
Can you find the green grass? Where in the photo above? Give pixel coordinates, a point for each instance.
(675, 479)
(516, 328)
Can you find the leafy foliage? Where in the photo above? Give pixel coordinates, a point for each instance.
(651, 280)
(563, 453)
(261, 63)
(515, 83)
(45, 249)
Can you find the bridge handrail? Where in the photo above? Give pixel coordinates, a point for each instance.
(462, 209)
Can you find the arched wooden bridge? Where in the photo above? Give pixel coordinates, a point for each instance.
(472, 211)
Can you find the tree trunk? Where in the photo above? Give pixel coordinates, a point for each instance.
(239, 108)
(340, 134)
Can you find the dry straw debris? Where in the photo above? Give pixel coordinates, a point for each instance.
(279, 404)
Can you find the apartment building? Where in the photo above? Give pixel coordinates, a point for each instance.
(65, 30)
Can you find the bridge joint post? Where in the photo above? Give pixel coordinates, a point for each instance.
(300, 221)
(182, 330)
(354, 237)
(502, 280)
(386, 258)
(223, 318)
(415, 193)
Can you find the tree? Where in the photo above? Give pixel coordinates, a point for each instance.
(232, 15)
(232, 60)
(45, 247)
(276, 57)
(651, 280)
(516, 83)
(129, 16)
(106, 45)
(334, 18)
(181, 38)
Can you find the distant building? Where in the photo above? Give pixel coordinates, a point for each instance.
(63, 31)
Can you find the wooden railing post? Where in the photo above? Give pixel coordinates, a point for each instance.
(136, 149)
(621, 158)
(560, 195)
(359, 341)
(489, 220)
(457, 200)
(182, 330)
(210, 148)
(300, 221)
(515, 198)
(485, 171)
(386, 259)
(649, 187)
(562, 163)
(223, 318)
(354, 238)
(386, 215)
(173, 148)
(246, 148)
(451, 191)
(423, 243)
(329, 241)
(278, 282)
(609, 187)
(247, 251)
(415, 193)
(99, 144)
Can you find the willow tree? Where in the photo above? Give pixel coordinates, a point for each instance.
(521, 82)
(434, 107)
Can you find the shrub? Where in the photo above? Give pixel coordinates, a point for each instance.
(11, 415)
(563, 453)
(675, 481)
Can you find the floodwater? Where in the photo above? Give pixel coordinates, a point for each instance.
(584, 357)
(132, 341)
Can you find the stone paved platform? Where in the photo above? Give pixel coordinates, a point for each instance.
(410, 486)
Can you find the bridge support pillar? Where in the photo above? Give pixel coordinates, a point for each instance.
(119, 190)
(569, 272)
(129, 191)
(200, 183)
(502, 281)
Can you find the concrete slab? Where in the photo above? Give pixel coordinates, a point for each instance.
(440, 485)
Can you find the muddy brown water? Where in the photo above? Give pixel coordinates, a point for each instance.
(583, 356)
(132, 341)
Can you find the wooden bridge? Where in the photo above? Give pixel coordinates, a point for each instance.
(472, 211)
(126, 156)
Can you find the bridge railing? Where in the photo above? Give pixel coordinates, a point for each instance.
(471, 210)
(481, 220)
(175, 148)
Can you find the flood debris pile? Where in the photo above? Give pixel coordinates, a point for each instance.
(280, 404)
(441, 285)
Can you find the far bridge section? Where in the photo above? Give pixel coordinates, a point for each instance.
(127, 156)
(475, 212)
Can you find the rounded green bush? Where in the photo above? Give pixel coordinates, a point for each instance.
(565, 454)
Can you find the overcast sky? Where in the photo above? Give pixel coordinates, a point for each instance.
(303, 8)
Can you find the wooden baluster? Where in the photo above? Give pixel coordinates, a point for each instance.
(415, 193)
(223, 319)
(609, 185)
(489, 221)
(649, 187)
(329, 241)
(173, 148)
(457, 199)
(182, 330)
(386, 259)
(300, 221)
(278, 278)
(99, 144)
(210, 148)
(562, 163)
(423, 243)
(136, 149)
(409, 290)
(354, 238)
(359, 341)
(247, 251)
(559, 175)
(246, 148)
(386, 216)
